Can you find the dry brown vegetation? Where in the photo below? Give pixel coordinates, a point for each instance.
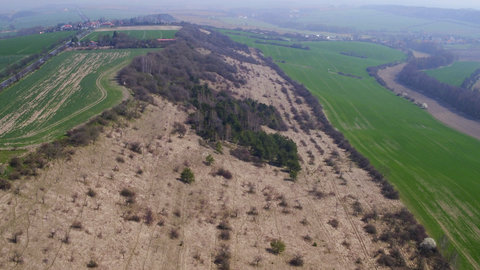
(215, 222)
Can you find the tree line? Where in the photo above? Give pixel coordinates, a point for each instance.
(463, 100)
(121, 40)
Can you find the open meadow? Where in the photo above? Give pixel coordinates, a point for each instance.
(434, 167)
(15, 49)
(454, 74)
(65, 92)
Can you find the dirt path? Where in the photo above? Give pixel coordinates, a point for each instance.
(442, 113)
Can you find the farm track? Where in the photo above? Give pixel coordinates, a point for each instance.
(442, 113)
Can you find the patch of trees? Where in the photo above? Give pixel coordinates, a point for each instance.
(121, 40)
(175, 74)
(373, 71)
(154, 19)
(469, 82)
(354, 54)
(294, 45)
(463, 100)
(349, 75)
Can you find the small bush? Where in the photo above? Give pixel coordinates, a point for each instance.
(224, 235)
(225, 173)
(92, 264)
(219, 147)
(370, 228)
(91, 193)
(120, 160)
(15, 162)
(209, 160)
(179, 128)
(277, 246)
(4, 184)
(222, 259)
(135, 147)
(174, 234)
(148, 218)
(296, 261)
(128, 193)
(224, 225)
(333, 223)
(187, 176)
(76, 225)
(253, 211)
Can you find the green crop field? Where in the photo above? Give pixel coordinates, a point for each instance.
(435, 168)
(14, 49)
(454, 74)
(139, 34)
(66, 91)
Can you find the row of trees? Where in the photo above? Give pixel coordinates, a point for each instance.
(121, 40)
(464, 100)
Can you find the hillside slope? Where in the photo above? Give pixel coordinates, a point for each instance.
(119, 203)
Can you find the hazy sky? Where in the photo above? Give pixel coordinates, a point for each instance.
(28, 4)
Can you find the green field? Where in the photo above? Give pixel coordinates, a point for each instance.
(454, 74)
(138, 34)
(14, 49)
(435, 168)
(66, 91)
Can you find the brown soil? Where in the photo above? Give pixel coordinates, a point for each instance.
(258, 203)
(444, 114)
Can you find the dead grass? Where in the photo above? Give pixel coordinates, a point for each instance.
(255, 206)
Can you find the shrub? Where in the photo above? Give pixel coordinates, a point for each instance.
(76, 225)
(187, 176)
(225, 173)
(253, 211)
(148, 216)
(209, 160)
(120, 160)
(219, 147)
(174, 234)
(92, 264)
(277, 246)
(333, 223)
(4, 184)
(225, 235)
(296, 261)
(91, 193)
(135, 147)
(224, 226)
(370, 228)
(222, 259)
(179, 128)
(128, 193)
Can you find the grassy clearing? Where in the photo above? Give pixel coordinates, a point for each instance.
(66, 91)
(454, 74)
(139, 34)
(434, 167)
(14, 49)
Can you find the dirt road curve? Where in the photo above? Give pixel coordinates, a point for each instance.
(444, 114)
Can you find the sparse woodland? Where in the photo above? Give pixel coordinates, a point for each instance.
(174, 198)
